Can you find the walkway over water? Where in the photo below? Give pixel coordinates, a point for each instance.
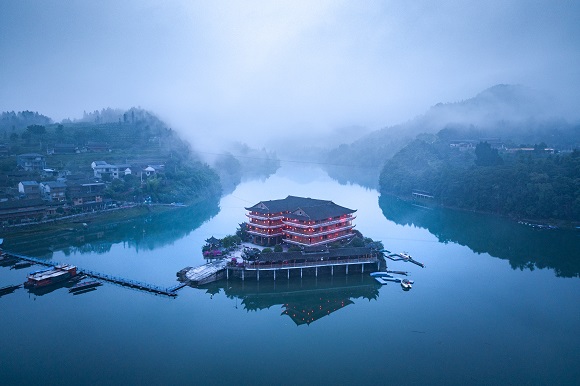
(168, 291)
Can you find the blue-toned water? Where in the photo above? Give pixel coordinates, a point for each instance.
(498, 303)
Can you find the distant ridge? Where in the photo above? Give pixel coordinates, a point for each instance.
(511, 112)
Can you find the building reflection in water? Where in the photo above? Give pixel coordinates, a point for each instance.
(303, 300)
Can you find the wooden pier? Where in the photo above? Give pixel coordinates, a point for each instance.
(139, 285)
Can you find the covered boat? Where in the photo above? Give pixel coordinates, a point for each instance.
(50, 276)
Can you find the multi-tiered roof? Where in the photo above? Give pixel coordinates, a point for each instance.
(299, 221)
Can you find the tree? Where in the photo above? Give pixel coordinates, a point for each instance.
(37, 130)
(26, 136)
(486, 156)
(59, 131)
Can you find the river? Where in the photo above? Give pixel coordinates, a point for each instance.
(498, 303)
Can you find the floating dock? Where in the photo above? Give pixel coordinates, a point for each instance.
(139, 285)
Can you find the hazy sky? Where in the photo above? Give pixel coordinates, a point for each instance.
(264, 67)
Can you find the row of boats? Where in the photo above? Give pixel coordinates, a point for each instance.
(383, 277)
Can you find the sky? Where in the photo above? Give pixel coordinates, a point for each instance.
(254, 70)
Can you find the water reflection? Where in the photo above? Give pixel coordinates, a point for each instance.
(523, 246)
(303, 300)
(144, 232)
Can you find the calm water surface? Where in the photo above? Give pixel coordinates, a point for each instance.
(499, 303)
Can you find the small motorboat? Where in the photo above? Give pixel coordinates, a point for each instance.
(406, 284)
(405, 255)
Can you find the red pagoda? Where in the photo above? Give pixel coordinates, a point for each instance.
(305, 222)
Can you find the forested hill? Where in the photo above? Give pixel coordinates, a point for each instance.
(10, 120)
(527, 184)
(133, 137)
(516, 115)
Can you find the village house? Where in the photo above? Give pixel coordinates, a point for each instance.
(15, 211)
(149, 171)
(64, 148)
(97, 147)
(84, 187)
(29, 189)
(31, 162)
(103, 168)
(94, 200)
(53, 190)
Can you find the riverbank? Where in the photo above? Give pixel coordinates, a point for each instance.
(547, 224)
(84, 221)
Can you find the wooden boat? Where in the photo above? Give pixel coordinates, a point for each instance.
(9, 288)
(22, 264)
(6, 260)
(85, 291)
(77, 278)
(85, 285)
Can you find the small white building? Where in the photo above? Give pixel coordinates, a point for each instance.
(149, 171)
(103, 168)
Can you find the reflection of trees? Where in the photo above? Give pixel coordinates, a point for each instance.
(523, 246)
(304, 301)
(145, 232)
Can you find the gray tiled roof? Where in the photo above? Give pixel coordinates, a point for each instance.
(313, 209)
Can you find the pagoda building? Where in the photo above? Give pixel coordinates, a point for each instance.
(305, 222)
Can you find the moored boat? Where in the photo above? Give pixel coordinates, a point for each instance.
(9, 288)
(405, 255)
(406, 284)
(50, 276)
(85, 285)
(6, 260)
(22, 264)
